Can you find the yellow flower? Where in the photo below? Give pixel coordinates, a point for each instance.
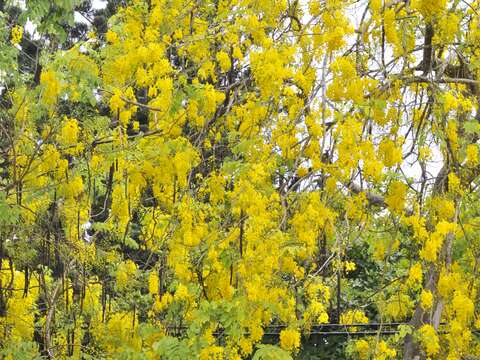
(395, 198)
(237, 53)
(384, 352)
(450, 102)
(350, 266)
(212, 353)
(153, 283)
(362, 348)
(425, 153)
(290, 339)
(178, 34)
(69, 132)
(355, 206)
(390, 154)
(125, 272)
(429, 339)
(353, 317)
(224, 61)
(453, 183)
(372, 169)
(73, 188)
(51, 87)
(463, 307)
(415, 274)
(390, 30)
(161, 304)
(472, 155)
(17, 34)
(444, 208)
(246, 346)
(181, 293)
(426, 299)
(452, 135)
(111, 37)
(302, 171)
(429, 8)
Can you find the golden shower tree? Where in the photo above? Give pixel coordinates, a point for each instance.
(216, 179)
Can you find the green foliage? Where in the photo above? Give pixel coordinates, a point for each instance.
(171, 348)
(270, 352)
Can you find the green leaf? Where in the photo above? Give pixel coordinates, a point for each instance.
(271, 352)
(130, 243)
(171, 348)
(8, 213)
(166, 345)
(472, 127)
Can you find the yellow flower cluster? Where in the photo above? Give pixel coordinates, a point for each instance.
(353, 317)
(51, 85)
(429, 339)
(391, 154)
(290, 339)
(17, 34)
(69, 132)
(429, 8)
(395, 198)
(228, 168)
(426, 298)
(472, 155)
(21, 307)
(125, 273)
